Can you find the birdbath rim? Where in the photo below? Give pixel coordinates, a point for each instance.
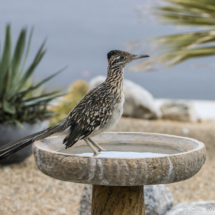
(115, 171)
(197, 145)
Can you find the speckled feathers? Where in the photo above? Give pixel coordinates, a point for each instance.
(102, 107)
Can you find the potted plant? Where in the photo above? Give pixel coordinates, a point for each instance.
(23, 104)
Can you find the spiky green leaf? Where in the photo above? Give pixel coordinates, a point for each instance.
(18, 53)
(41, 99)
(8, 107)
(31, 88)
(5, 61)
(31, 68)
(28, 49)
(20, 99)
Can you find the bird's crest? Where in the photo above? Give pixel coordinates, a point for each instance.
(116, 53)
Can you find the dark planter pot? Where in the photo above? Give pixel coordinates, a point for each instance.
(11, 132)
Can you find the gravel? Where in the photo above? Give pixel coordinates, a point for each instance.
(25, 190)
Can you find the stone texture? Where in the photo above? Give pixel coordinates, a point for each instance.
(12, 132)
(194, 208)
(158, 200)
(179, 111)
(94, 82)
(86, 200)
(114, 171)
(139, 103)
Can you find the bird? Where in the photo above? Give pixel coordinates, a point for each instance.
(98, 111)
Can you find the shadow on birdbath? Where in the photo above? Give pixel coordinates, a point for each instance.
(131, 160)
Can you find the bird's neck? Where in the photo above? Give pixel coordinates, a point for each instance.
(115, 75)
(114, 81)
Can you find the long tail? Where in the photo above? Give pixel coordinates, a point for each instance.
(15, 146)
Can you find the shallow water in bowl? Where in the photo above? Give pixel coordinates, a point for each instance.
(124, 150)
(116, 154)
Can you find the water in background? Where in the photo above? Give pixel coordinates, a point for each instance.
(80, 33)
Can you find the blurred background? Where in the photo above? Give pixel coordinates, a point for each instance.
(79, 35)
(172, 92)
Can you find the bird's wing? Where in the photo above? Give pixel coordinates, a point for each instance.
(89, 114)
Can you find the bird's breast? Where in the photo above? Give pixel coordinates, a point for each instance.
(113, 119)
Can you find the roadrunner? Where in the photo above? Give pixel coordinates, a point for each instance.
(97, 112)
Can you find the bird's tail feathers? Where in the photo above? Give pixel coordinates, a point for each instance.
(15, 146)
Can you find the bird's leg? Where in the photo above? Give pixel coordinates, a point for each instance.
(91, 146)
(96, 145)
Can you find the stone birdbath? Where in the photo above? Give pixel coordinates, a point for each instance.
(131, 160)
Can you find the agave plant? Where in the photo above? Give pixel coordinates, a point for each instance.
(173, 49)
(20, 99)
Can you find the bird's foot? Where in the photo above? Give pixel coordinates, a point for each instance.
(95, 154)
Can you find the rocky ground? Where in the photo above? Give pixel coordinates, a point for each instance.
(25, 190)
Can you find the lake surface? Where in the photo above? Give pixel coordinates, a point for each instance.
(80, 33)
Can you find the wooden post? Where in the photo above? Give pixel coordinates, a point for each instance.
(113, 200)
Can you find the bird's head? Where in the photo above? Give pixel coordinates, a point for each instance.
(117, 58)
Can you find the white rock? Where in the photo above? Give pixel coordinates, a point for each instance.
(62, 210)
(94, 82)
(86, 200)
(139, 103)
(194, 208)
(179, 111)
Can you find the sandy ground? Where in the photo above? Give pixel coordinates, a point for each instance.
(25, 190)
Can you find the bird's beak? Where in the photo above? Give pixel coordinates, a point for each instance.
(136, 57)
(130, 59)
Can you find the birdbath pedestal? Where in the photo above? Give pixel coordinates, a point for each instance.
(131, 160)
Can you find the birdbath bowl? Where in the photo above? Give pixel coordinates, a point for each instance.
(131, 160)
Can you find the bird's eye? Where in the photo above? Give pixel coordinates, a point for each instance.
(122, 57)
